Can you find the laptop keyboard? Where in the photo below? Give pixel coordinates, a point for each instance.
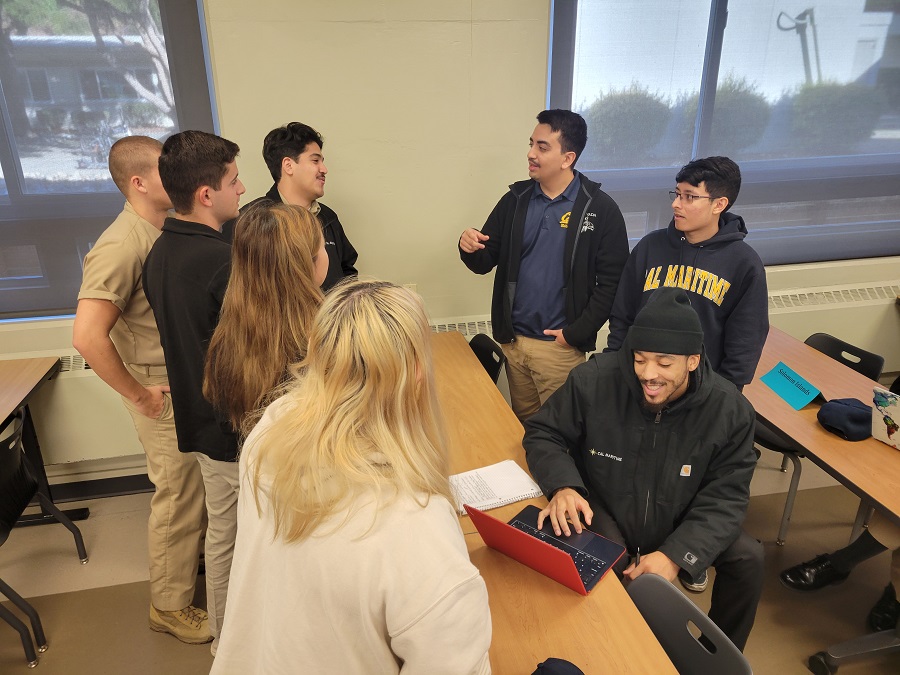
(587, 565)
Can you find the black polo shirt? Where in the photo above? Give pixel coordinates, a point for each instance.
(185, 276)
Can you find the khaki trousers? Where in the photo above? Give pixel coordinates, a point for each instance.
(535, 369)
(177, 512)
(221, 481)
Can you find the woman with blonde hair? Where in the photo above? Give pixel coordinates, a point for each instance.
(349, 556)
(278, 263)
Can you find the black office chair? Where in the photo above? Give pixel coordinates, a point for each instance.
(874, 644)
(670, 615)
(17, 487)
(864, 362)
(489, 353)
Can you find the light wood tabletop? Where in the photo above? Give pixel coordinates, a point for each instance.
(533, 617)
(20, 378)
(869, 468)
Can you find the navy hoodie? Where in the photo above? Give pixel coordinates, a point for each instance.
(725, 280)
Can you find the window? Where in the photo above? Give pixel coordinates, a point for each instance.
(38, 87)
(807, 102)
(69, 91)
(110, 85)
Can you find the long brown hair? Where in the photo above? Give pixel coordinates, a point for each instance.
(361, 415)
(268, 309)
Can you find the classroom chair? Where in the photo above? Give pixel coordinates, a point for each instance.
(17, 487)
(864, 362)
(874, 644)
(489, 353)
(670, 615)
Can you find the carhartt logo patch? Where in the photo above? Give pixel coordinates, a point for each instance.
(690, 558)
(686, 470)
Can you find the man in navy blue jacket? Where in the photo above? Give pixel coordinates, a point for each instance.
(559, 244)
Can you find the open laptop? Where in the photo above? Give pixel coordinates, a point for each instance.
(578, 561)
(886, 417)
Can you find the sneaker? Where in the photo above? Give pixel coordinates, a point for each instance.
(886, 611)
(697, 585)
(190, 625)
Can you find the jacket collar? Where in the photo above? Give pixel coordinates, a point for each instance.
(522, 187)
(189, 227)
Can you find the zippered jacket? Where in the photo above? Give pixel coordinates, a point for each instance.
(725, 280)
(595, 253)
(677, 481)
(341, 254)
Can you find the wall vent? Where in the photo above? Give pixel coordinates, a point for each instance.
(468, 328)
(817, 298)
(71, 363)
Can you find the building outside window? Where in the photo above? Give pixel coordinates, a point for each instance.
(73, 80)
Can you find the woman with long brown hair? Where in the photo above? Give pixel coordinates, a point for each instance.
(278, 263)
(349, 556)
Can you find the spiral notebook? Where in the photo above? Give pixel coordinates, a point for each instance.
(492, 486)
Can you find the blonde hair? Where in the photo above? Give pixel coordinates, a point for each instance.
(361, 414)
(133, 156)
(269, 305)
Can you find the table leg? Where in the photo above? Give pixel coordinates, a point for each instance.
(36, 460)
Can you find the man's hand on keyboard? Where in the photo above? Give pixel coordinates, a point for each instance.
(653, 563)
(564, 507)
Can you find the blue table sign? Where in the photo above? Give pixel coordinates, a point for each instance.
(790, 386)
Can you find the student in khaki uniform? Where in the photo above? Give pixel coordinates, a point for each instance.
(116, 333)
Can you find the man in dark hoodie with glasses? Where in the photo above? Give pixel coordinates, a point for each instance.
(703, 252)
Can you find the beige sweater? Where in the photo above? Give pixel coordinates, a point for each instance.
(402, 598)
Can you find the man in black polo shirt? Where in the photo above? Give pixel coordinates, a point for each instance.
(185, 276)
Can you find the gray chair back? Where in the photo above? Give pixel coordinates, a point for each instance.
(669, 614)
(489, 353)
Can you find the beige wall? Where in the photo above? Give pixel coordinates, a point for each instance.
(426, 107)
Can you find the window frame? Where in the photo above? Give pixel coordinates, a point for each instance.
(34, 217)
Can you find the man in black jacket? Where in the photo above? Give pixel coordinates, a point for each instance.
(559, 245)
(293, 154)
(655, 450)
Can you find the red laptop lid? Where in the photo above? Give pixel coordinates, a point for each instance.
(520, 546)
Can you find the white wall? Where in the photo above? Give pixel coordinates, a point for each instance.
(426, 107)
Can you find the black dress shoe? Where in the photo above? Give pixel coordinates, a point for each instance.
(812, 575)
(886, 611)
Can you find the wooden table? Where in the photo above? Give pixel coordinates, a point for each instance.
(19, 380)
(869, 468)
(533, 617)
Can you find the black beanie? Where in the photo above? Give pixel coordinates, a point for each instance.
(667, 325)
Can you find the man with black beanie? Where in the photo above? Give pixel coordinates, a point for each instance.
(655, 451)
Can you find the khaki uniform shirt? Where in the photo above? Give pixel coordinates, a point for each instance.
(112, 271)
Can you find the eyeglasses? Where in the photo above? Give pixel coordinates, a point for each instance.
(687, 198)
